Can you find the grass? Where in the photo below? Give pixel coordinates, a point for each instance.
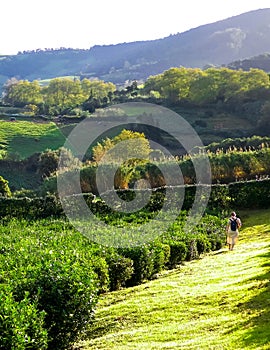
(27, 137)
(218, 302)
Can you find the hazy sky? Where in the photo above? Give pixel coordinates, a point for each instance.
(32, 24)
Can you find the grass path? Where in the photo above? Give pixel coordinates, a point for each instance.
(221, 301)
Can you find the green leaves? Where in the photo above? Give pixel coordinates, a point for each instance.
(50, 279)
(21, 323)
(4, 188)
(209, 86)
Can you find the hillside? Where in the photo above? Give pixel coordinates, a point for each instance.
(218, 302)
(22, 138)
(218, 43)
(261, 62)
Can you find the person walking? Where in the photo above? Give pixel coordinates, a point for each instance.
(232, 230)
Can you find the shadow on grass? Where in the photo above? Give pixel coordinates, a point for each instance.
(257, 328)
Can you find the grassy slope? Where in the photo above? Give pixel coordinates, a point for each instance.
(25, 137)
(218, 302)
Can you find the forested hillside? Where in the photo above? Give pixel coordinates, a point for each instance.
(218, 102)
(232, 39)
(260, 62)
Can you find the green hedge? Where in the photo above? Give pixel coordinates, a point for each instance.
(51, 275)
(249, 194)
(22, 325)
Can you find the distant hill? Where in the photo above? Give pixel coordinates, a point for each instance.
(218, 43)
(260, 62)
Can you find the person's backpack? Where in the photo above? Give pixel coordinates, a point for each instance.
(234, 224)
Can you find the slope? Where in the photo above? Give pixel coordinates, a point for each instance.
(23, 137)
(222, 42)
(218, 302)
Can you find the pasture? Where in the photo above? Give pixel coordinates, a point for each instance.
(22, 138)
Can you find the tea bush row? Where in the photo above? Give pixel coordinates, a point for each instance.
(51, 276)
(247, 194)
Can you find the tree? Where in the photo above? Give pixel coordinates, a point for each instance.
(21, 93)
(49, 161)
(61, 95)
(128, 143)
(264, 121)
(4, 188)
(97, 89)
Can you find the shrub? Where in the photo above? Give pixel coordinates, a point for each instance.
(67, 293)
(203, 244)
(161, 256)
(252, 194)
(101, 269)
(143, 263)
(192, 251)
(178, 252)
(217, 242)
(4, 188)
(21, 324)
(120, 270)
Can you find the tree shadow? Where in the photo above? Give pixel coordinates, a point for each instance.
(257, 328)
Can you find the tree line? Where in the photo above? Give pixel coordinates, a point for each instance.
(60, 96)
(208, 86)
(219, 86)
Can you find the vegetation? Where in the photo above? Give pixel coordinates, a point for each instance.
(260, 62)
(51, 285)
(218, 302)
(233, 164)
(20, 139)
(51, 276)
(218, 102)
(133, 144)
(4, 188)
(209, 86)
(61, 95)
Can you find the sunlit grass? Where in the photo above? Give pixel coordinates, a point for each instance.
(218, 302)
(25, 137)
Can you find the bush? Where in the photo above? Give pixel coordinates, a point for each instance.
(21, 324)
(203, 244)
(120, 270)
(101, 269)
(192, 251)
(178, 252)
(4, 188)
(161, 256)
(143, 263)
(252, 194)
(67, 293)
(217, 242)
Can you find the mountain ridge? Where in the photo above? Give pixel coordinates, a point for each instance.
(218, 43)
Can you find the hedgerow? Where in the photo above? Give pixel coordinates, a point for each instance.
(51, 275)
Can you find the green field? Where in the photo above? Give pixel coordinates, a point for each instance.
(218, 302)
(24, 138)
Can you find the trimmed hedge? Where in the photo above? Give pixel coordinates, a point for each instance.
(251, 195)
(21, 323)
(51, 275)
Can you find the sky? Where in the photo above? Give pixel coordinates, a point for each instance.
(39, 24)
